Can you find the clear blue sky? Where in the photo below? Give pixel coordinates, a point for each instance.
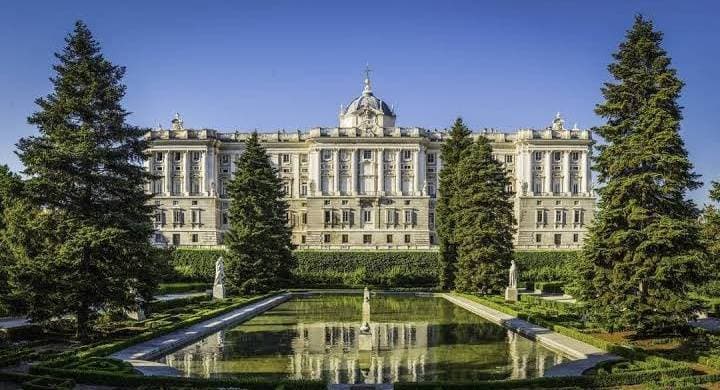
(289, 64)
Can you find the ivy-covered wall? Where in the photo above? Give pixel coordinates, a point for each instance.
(376, 268)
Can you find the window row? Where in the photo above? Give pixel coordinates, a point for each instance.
(347, 217)
(177, 156)
(556, 156)
(541, 216)
(557, 238)
(178, 217)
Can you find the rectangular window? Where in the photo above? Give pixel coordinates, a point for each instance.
(560, 216)
(304, 218)
(326, 154)
(195, 185)
(540, 216)
(367, 216)
(576, 237)
(303, 158)
(407, 154)
(225, 218)
(389, 238)
(431, 219)
(558, 239)
(195, 216)
(557, 185)
(303, 189)
(225, 159)
(367, 154)
(196, 156)
(538, 156)
(177, 156)
(578, 217)
(346, 216)
(431, 190)
(410, 217)
(179, 217)
(194, 238)
(157, 186)
(575, 187)
(176, 185)
(286, 189)
(431, 158)
(407, 238)
(158, 157)
(557, 156)
(344, 238)
(508, 158)
(432, 239)
(367, 238)
(303, 239)
(390, 216)
(574, 156)
(160, 218)
(285, 158)
(326, 238)
(176, 239)
(328, 216)
(538, 238)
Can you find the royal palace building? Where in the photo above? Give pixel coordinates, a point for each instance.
(367, 184)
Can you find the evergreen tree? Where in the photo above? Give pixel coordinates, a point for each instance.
(452, 150)
(10, 191)
(643, 252)
(711, 231)
(484, 221)
(88, 249)
(259, 240)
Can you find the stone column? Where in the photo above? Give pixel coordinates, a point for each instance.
(528, 175)
(398, 172)
(379, 156)
(585, 172)
(187, 173)
(317, 174)
(566, 172)
(353, 173)
(203, 176)
(336, 168)
(168, 173)
(548, 172)
(296, 175)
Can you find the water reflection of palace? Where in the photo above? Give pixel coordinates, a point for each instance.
(367, 352)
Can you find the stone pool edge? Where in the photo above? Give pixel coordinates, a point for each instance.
(586, 355)
(141, 354)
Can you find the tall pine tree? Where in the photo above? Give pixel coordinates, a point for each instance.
(85, 174)
(483, 219)
(259, 240)
(643, 253)
(711, 239)
(452, 150)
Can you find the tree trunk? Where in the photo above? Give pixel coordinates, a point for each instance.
(82, 318)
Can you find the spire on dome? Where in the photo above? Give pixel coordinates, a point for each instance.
(367, 89)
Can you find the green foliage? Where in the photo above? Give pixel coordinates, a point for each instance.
(452, 151)
(259, 240)
(547, 265)
(48, 383)
(177, 288)
(550, 287)
(358, 269)
(612, 380)
(88, 249)
(643, 252)
(483, 220)
(158, 306)
(196, 265)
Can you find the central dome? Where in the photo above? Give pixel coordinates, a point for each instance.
(367, 108)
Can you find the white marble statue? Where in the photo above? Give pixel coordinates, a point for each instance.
(513, 275)
(219, 271)
(218, 285)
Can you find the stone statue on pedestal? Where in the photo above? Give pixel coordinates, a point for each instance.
(219, 284)
(137, 312)
(511, 292)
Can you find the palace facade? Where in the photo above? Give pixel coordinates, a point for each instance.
(367, 184)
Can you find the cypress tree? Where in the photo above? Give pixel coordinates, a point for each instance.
(10, 191)
(92, 249)
(259, 240)
(484, 221)
(643, 253)
(451, 151)
(711, 229)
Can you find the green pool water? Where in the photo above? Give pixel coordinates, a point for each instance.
(407, 339)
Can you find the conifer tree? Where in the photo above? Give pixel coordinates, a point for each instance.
(643, 253)
(451, 151)
(483, 219)
(259, 240)
(85, 191)
(711, 233)
(10, 190)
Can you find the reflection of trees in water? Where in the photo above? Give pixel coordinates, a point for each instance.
(307, 338)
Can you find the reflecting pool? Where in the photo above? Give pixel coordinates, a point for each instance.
(344, 339)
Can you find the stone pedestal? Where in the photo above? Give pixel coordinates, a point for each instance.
(138, 314)
(219, 291)
(511, 294)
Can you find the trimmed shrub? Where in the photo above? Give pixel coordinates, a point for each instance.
(547, 265)
(179, 288)
(157, 306)
(549, 287)
(197, 265)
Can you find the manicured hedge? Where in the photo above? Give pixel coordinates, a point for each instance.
(588, 381)
(317, 268)
(549, 287)
(547, 265)
(179, 288)
(158, 306)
